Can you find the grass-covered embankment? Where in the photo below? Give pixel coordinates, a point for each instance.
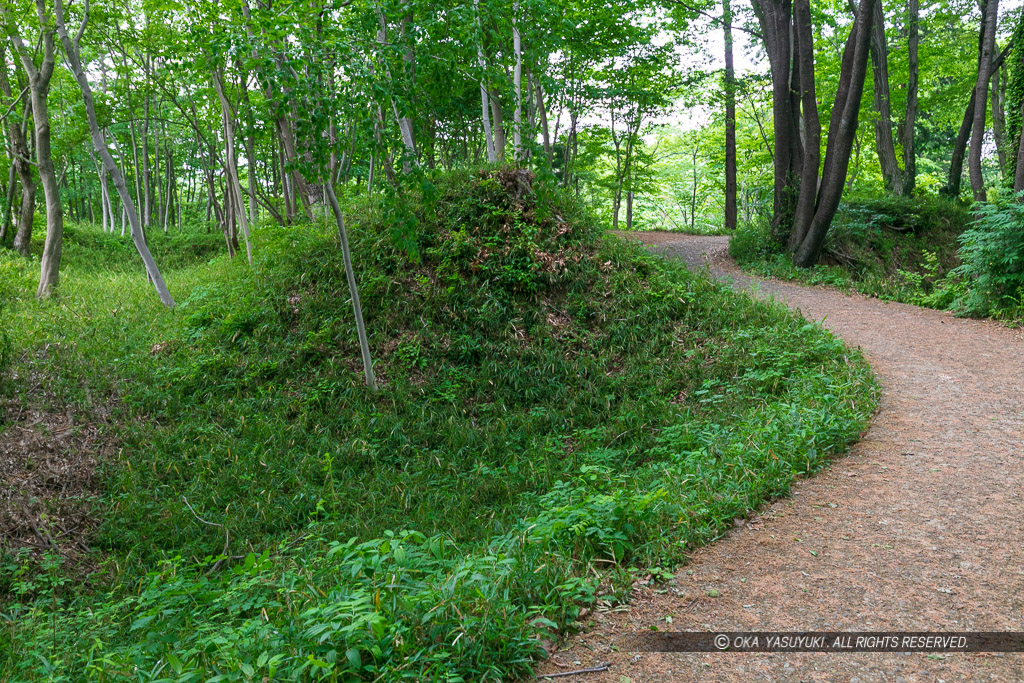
(557, 407)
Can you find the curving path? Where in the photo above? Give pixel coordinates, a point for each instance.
(919, 528)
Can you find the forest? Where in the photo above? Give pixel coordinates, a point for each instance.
(329, 346)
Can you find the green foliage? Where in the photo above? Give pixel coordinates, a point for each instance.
(993, 260)
(893, 248)
(550, 396)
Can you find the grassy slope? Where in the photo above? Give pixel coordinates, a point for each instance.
(551, 396)
(894, 249)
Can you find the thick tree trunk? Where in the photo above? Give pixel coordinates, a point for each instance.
(776, 19)
(989, 16)
(841, 135)
(804, 214)
(730, 122)
(100, 146)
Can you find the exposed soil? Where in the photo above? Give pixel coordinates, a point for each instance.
(919, 528)
(47, 480)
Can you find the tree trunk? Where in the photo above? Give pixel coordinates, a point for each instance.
(234, 185)
(17, 135)
(1018, 178)
(357, 309)
(730, 122)
(147, 211)
(803, 215)
(39, 87)
(999, 117)
(884, 144)
(544, 130)
(842, 133)
(988, 42)
(776, 19)
(498, 128)
(910, 120)
(517, 84)
(100, 146)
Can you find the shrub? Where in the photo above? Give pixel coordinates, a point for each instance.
(992, 252)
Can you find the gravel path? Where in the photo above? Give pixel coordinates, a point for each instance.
(919, 528)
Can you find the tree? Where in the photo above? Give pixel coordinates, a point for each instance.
(38, 77)
(990, 11)
(73, 54)
(803, 203)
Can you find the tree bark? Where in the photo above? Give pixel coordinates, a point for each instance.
(39, 87)
(498, 128)
(776, 19)
(803, 215)
(357, 309)
(910, 120)
(730, 122)
(17, 136)
(517, 84)
(544, 130)
(234, 184)
(892, 174)
(988, 42)
(71, 51)
(841, 135)
(999, 117)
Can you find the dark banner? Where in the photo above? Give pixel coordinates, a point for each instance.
(822, 641)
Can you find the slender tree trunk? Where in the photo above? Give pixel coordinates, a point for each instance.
(730, 121)
(517, 84)
(147, 210)
(1018, 178)
(544, 130)
(39, 87)
(910, 120)
(357, 309)
(99, 144)
(12, 181)
(482, 63)
(989, 16)
(498, 128)
(234, 186)
(999, 117)
(17, 136)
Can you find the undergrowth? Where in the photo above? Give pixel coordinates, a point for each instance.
(554, 400)
(892, 248)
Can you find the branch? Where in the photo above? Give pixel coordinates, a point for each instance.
(712, 17)
(13, 105)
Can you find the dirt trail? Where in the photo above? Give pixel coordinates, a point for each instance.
(919, 528)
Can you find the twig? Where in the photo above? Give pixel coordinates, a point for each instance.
(603, 666)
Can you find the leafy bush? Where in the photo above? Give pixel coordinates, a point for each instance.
(993, 260)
